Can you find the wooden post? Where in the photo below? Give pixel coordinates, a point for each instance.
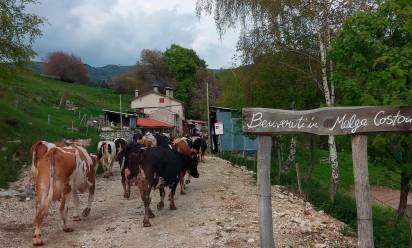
(209, 133)
(48, 120)
(72, 126)
(264, 192)
(121, 118)
(298, 178)
(409, 214)
(362, 191)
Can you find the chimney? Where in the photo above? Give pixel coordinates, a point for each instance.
(156, 88)
(169, 92)
(136, 93)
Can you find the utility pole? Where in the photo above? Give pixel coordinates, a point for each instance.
(209, 134)
(121, 118)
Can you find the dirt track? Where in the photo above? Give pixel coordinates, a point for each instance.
(218, 211)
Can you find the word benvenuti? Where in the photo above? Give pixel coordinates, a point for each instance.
(329, 121)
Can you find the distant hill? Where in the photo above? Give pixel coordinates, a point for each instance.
(96, 74)
(105, 73)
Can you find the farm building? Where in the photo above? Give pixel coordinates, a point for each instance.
(112, 119)
(158, 107)
(232, 138)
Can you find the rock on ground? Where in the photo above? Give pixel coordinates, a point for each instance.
(219, 210)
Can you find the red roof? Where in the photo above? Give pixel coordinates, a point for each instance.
(149, 122)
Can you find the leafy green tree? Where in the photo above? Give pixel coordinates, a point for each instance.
(183, 64)
(18, 30)
(301, 27)
(373, 55)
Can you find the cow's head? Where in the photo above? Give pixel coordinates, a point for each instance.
(192, 165)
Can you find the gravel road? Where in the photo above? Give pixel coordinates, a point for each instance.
(219, 210)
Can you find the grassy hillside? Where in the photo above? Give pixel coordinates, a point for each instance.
(26, 100)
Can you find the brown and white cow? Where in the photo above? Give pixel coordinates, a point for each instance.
(38, 150)
(62, 173)
(182, 146)
(106, 154)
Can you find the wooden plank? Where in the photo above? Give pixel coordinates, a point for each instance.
(328, 121)
(264, 192)
(362, 191)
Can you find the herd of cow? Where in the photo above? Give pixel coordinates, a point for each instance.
(151, 162)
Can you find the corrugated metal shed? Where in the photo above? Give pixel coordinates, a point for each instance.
(233, 138)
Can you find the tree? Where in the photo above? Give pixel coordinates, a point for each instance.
(18, 31)
(153, 65)
(69, 68)
(301, 27)
(150, 69)
(373, 57)
(136, 79)
(183, 64)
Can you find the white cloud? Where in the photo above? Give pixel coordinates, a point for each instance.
(115, 31)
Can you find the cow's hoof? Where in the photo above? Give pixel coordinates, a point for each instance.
(173, 207)
(187, 181)
(126, 195)
(182, 193)
(37, 240)
(160, 205)
(151, 214)
(76, 218)
(146, 224)
(86, 212)
(105, 176)
(68, 229)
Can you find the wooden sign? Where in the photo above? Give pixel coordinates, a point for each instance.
(328, 121)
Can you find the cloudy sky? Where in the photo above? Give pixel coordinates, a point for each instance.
(105, 32)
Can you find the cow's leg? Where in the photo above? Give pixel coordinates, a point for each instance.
(111, 162)
(188, 178)
(172, 196)
(145, 189)
(161, 204)
(126, 183)
(90, 200)
(42, 208)
(76, 216)
(64, 208)
(105, 169)
(182, 182)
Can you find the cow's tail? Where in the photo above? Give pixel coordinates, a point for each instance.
(52, 177)
(33, 167)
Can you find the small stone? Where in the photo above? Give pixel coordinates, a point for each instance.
(27, 198)
(250, 240)
(320, 245)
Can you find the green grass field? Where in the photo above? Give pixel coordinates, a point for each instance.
(26, 101)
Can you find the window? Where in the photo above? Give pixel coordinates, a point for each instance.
(161, 100)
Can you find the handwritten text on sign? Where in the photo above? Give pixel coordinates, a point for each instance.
(325, 121)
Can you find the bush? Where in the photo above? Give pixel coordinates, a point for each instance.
(68, 68)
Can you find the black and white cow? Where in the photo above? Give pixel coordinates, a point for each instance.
(106, 154)
(129, 160)
(159, 168)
